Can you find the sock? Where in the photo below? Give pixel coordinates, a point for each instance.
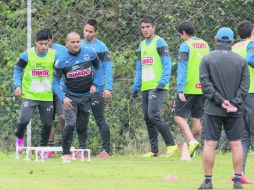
(237, 177)
(208, 179)
(51, 143)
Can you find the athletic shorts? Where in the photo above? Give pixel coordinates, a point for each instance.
(212, 127)
(194, 105)
(58, 106)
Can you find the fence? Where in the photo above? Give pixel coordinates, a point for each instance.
(119, 29)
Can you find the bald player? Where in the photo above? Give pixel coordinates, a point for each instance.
(77, 67)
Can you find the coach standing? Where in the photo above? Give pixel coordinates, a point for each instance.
(225, 82)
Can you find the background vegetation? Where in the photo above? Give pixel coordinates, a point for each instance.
(119, 29)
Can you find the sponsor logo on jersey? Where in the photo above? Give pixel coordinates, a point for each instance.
(199, 45)
(40, 72)
(147, 61)
(239, 45)
(86, 57)
(79, 73)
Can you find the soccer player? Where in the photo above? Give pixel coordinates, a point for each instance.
(153, 69)
(245, 48)
(224, 78)
(189, 95)
(32, 76)
(77, 67)
(102, 82)
(56, 102)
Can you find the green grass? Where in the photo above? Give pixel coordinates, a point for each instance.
(116, 173)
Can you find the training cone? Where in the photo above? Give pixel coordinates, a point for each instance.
(185, 153)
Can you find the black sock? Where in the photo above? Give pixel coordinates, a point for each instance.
(237, 177)
(208, 179)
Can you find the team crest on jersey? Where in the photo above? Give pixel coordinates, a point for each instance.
(79, 73)
(147, 61)
(86, 57)
(75, 67)
(40, 72)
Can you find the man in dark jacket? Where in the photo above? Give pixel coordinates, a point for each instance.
(224, 78)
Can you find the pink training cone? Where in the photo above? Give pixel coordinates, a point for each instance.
(185, 153)
(171, 177)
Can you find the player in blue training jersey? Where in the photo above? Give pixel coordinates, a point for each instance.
(103, 82)
(59, 49)
(153, 69)
(77, 67)
(245, 48)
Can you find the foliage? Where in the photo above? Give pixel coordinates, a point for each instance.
(119, 29)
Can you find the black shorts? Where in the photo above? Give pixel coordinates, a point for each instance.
(194, 105)
(212, 126)
(58, 106)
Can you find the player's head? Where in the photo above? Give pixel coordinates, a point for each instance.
(50, 36)
(42, 41)
(90, 29)
(147, 26)
(73, 42)
(245, 29)
(186, 30)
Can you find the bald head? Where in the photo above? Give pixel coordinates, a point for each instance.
(73, 42)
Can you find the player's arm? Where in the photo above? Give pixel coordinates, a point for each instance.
(182, 66)
(56, 81)
(250, 54)
(107, 65)
(137, 81)
(163, 50)
(18, 72)
(207, 86)
(238, 100)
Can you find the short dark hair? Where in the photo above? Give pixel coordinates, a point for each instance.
(244, 29)
(147, 19)
(42, 35)
(49, 33)
(93, 23)
(186, 27)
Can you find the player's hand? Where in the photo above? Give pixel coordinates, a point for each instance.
(228, 106)
(134, 94)
(92, 89)
(67, 103)
(181, 97)
(18, 91)
(106, 93)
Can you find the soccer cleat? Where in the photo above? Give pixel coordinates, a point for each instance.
(171, 150)
(237, 185)
(150, 155)
(193, 147)
(50, 154)
(206, 186)
(67, 158)
(19, 143)
(103, 154)
(78, 154)
(245, 180)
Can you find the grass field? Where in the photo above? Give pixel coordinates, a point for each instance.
(116, 173)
